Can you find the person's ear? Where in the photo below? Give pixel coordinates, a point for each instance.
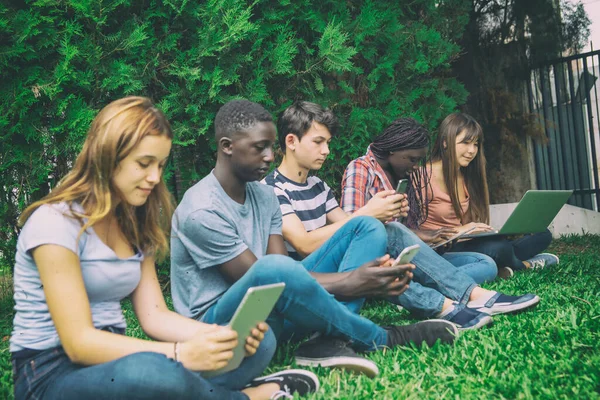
(225, 145)
(291, 141)
(444, 144)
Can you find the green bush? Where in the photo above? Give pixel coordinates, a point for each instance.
(60, 62)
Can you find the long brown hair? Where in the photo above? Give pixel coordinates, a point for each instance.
(114, 133)
(474, 174)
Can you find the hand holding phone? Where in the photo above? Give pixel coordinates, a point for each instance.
(407, 255)
(401, 189)
(402, 186)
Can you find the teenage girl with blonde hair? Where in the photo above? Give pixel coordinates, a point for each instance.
(92, 242)
(459, 198)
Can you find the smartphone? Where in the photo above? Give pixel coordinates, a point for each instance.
(407, 254)
(402, 186)
(255, 307)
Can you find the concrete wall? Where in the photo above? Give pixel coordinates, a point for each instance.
(570, 219)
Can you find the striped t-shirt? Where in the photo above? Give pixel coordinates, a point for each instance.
(311, 201)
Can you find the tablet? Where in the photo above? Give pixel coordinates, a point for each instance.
(255, 307)
(457, 236)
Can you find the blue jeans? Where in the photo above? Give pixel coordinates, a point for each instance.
(478, 266)
(304, 304)
(49, 374)
(358, 241)
(434, 278)
(505, 252)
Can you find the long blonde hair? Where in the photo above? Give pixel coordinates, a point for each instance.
(474, 174)
(114, 133)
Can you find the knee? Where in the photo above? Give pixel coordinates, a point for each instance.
(500, 251)
(399, 237)
(370, 226)
(545, 237)
(488, 268)
(276, 268)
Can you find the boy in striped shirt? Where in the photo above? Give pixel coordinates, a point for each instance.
(313, 223)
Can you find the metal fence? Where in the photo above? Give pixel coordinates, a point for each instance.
(564, 93)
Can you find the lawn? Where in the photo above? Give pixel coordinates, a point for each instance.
(550, 352)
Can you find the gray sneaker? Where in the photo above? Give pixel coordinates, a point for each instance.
(333, 352)
(542, 260)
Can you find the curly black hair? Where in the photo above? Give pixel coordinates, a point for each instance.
(237, 116)
(407, 134)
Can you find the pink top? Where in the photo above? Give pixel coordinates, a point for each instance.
(441, 213)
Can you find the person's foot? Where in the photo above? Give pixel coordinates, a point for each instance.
(428, 332)
(500, 303)
(290, 381)
(505, 273)
(333, 352)
(466, 318)
(542, 260)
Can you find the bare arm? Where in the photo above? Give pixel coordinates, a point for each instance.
(157, 321)
(306, 242)
(203, 347)
(235, 268)
(69, 306)
(384, 206)
(276, 245)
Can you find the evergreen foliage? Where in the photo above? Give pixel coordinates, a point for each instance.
(60, 62)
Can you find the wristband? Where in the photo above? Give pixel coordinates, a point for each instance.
(176, 351)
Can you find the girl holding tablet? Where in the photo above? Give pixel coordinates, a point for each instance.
(459, 198)
(92, 242)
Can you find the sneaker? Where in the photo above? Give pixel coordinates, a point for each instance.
(505, 273)
(427, 332)
(466, 318)
(333, 352)
(290, 381)
(503, 304)
(542, 260)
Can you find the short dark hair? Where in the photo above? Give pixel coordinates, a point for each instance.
(298, 118)
(237, 116)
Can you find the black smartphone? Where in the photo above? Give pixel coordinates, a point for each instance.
(402, 186)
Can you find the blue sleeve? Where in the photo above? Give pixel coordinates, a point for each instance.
(210, 239)
(49, 225)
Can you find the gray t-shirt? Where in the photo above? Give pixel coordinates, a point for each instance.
(209, 229)
(107, 278)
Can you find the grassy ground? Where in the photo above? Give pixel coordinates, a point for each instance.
(550, 352)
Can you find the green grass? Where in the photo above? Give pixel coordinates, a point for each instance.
(550, 352)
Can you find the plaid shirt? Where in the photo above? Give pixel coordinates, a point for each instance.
(362, 179)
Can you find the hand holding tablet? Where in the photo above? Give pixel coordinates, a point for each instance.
(255, 307)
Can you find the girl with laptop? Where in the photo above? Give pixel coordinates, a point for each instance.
(92, 242)
(459, 199)
(398, 153)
